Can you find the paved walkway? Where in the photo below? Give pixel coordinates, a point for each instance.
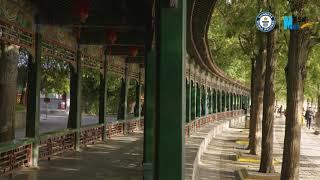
(310, 150)
(218, 162)
(118, 159)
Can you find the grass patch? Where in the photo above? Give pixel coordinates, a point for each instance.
(243, 142)
(254, 160)
(20, 108)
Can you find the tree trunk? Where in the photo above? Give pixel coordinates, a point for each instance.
(253, 95)
(8, 83)
(295, 76)
(23, 94)
(268, 106)
(255, 117)
(318, 96)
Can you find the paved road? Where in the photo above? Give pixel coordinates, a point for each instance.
(55, 122)
(117, 159)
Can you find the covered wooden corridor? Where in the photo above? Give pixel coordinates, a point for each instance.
(159, 45)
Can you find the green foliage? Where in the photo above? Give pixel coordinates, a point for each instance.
(227, 24)
(22, 70)
(131, 94)
(20, 108)
(54, 76)
(231, 38)
(55, 79)
(313, 74)
(90, 86)
(113, 92)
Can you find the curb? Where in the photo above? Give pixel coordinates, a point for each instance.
(221, 125)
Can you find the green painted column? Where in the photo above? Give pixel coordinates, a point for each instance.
(204, 103)
(137, 108)
(33, 97)
(216, 101)
(231, 102)
(228, 99)
(212, 101)
(122, 110)
(219, 101)
(241, 102)
(126, 83)
(170, 121)
(234, 98)
(140, 91)
(125, 103)
(223, 102)
(235, 102)
(137, 99)
(149, 117)
(200, 100)
(187, 100)
(190, 101)
(74, 120)
(208, 105)
(193, 101)
(198, 96)
(103, 96)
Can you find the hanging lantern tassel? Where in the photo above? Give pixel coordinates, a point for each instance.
(81, 9)
(133, 51)
(111, 38)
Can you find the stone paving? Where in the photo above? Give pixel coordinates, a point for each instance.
(197, 140)
(218, 161)
(310, 150)
(117, 159)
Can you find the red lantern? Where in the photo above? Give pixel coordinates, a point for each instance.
(81, 9)
(112, 37)
(133, 51)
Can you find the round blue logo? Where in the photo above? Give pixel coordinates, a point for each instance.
(265, 22)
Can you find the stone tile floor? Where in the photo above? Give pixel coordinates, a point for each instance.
(117, 159)
(218, 160)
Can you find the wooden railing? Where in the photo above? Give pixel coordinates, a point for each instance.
(198, 123)
(18, 154)
(15, 155)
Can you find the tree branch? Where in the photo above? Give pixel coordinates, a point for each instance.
(314, 41)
